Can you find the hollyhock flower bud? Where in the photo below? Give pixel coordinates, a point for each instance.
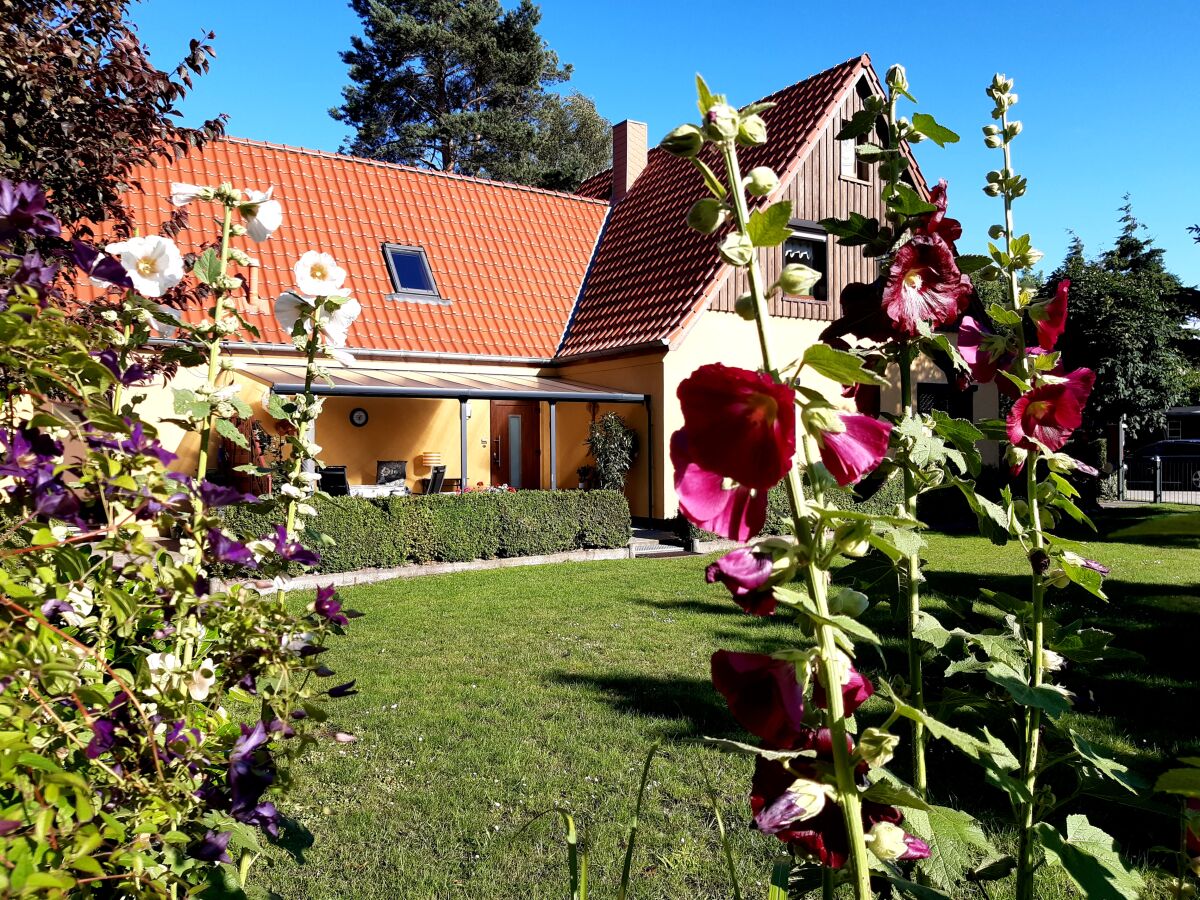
(924, 285)
(154, 264)
(744, 307)
(763, 694)
(851, 453)
(747, 575)
(1052, 661)
(761, 181)
(852, 539)
(686, 141)
(721, 122)
(937, 222)
(876, 747)
(183, 193)
(752, 131)
(707, 215)
(1050, 318)
(1047, 415)
(783, 799)
(897, 78)
(891, 842)
(798, 280)
(1076, 560)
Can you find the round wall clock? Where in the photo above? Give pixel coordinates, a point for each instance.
(358, 417)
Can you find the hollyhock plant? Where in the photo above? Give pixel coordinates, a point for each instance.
(924, 285)
(739, 424)
(154, 264)
(1050, 318)
(851, 445)
(1047, 415)
(985, 351)
(318, 275)
(261, 214)
(713, 502)
(747, 575)
(856, 688)
(763, 694)
(937, 222)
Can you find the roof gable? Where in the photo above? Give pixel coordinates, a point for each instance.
(652, 272)
(509, 259)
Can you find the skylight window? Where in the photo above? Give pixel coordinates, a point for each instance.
(412, 279)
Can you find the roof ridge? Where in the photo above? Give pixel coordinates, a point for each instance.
(454, 176)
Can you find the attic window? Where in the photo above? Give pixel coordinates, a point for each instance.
(412, 279)
(808, 246)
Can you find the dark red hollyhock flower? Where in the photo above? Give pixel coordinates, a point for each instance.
(937, 222)
(781, 797)
(740, 424)
(1050, 412)
(851, 454)
(329, 607)
(985, 351)
(713, 502)
(764, 696)
(856, 688)
(1051, 319)
(1193, 835)
(747, 575)
(925, 285)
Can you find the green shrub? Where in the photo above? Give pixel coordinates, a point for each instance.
(397, 531)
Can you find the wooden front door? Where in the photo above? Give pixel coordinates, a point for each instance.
(516, 443)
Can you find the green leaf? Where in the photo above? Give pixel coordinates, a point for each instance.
(1087, 645)
(207, 267)
(907, 202)
(859, 231)
(1072, 510)
(893, 792)
(989, 751)
(913, 890)
(1110, 768)
(710, 178)
(781, 871)
(870, 152)
(769, 227)
(993, 870)
(839, 366)
(229, 431)
(1052, 699)
(992, 518)
(928, 126)
(862, 122)
(956, 843)
(972, 262)
(1087, 578)
(1185, 782)
(1090, 858)
(704, 97)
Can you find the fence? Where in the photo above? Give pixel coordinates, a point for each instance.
(1162, 479)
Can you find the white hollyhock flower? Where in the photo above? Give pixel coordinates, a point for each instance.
(334, 327)
(261, 214)
(318, 275)
(154, 263)
(183, 193)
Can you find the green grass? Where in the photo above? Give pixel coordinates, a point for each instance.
(490, 697)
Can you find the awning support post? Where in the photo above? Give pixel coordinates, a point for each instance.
(462, 442)
(553, 446)
(649, 401)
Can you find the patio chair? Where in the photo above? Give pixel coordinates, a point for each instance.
(333, 481)
(391, 471)
(433, 484)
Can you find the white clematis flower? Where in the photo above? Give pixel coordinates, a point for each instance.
(261, 214)
(202, 680)
(318, 275)
(183, 193)
(154, 263)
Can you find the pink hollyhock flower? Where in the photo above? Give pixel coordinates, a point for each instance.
(1048, 414)
(925, 285)
(713, 502)
(1193, 836)
(850, 454)
(985, 351)
(763, 694)
(1051, 318)
(856, 688)
(740, 424)
(747, 575)
(936, 222)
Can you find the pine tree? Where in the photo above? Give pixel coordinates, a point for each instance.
(461, 86)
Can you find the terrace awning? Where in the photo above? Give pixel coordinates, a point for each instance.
(360, 382)
(287, 378)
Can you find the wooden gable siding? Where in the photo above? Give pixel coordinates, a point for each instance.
(818, 191)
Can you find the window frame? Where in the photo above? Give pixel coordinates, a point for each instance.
(813, 232)
(861, 173)
(1176, 426)
(400, 292)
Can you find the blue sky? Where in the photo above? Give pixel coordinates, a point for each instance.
(1107, 91)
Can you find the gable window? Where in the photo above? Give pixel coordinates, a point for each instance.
(412, 279)
(853, 167)
(1174, 429)
(808, 247)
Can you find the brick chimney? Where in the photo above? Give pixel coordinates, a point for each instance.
(629, 156)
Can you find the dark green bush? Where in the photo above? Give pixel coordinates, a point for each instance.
(450, 528)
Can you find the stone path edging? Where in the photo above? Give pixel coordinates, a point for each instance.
(371, 576)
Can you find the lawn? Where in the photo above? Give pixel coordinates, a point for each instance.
(490, 697)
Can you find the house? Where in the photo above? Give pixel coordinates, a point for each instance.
(1183, 422)
(498, 320)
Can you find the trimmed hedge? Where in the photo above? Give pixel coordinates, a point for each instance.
(779, 515)
(396, 531)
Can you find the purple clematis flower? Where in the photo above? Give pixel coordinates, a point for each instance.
(23, 211)
(223, 548)
(34, 273)
(251, 773)
(132, 375)
(104, 738)
(293, 551)
(215, 495)
(329, 607)
(101, 268)
(213, 847)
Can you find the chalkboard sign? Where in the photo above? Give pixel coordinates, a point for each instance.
(391, 471)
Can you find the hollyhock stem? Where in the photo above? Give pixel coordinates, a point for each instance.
(848, 797)
(214, 347)
(912, 579)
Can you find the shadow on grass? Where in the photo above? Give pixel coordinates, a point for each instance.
(722, 607)
(293, 838)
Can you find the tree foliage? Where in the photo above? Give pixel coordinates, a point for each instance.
(1126, 322)
(83, 107)
(461, 86)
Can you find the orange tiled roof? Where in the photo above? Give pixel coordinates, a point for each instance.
(510, 259)
(651, 272)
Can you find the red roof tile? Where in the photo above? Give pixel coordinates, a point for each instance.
(652, 272)
(510, 259)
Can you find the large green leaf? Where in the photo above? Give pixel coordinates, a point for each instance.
(956, 843)
(839, 366)
(229, 431)
(908, 202)
(1090, 858)
(862, 122)
(781, 872)
(1052, 699)
(207, 267)
(1185, 782)
(1109, 768)
(769, 227)
(928, 126)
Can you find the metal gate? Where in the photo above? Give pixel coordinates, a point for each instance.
(1162, 479)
